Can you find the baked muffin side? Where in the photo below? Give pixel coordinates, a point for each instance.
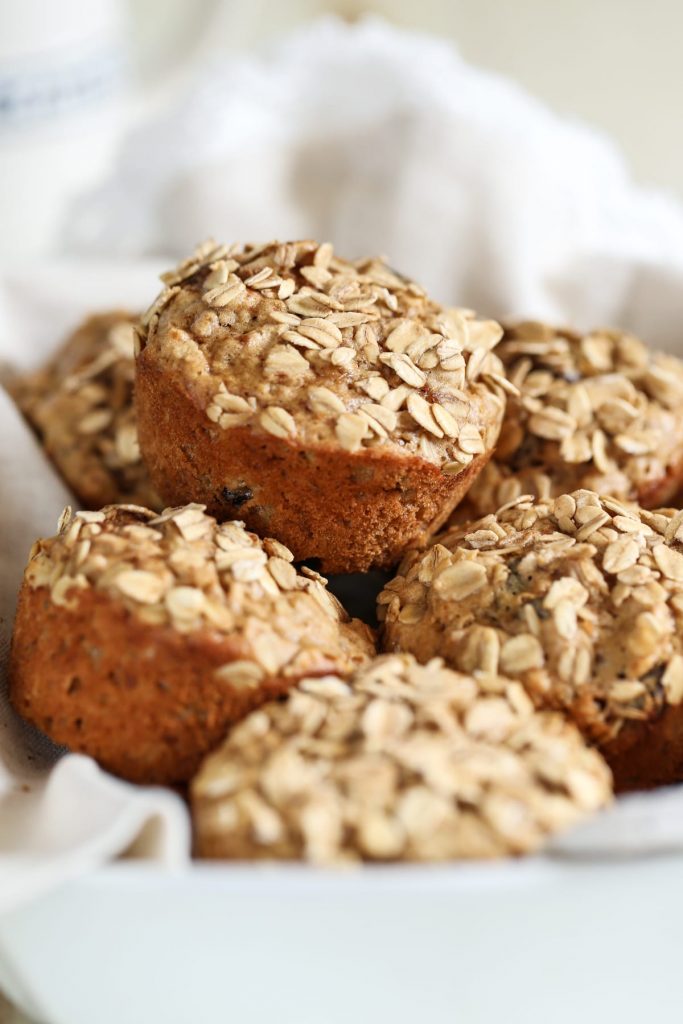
(139, 638)
(330, 404)
(581, 599)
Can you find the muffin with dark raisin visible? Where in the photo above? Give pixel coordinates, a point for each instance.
(330, 404)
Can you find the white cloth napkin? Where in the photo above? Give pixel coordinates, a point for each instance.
(385, 141)
(58, 817)
(381, 141)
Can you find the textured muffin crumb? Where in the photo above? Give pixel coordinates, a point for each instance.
(402, 762)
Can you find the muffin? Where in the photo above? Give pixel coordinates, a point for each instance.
(580, 598)
(401, 762)
(139, 638)
(329, 404)
(599, 411)
(81, 407)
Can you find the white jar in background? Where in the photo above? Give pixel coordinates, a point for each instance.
(62, 79)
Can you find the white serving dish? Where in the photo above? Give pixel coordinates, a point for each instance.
(516, 942)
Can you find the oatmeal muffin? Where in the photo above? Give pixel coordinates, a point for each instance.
(139, 638)
(402, 762)
(578, 597)
(598, 411)
(81, 407)
(330, 404)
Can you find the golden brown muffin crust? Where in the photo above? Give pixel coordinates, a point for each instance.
(350, 511)
(325, 362)
(140, 637)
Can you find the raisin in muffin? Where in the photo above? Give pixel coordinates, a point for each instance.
(81, 406)
(139, 638)
(599, 411)
(330, 404)
(401, 762)
(580, 598)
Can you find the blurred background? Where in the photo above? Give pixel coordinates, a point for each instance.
(76, 74)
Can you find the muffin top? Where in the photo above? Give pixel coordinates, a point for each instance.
(182, 570)
(579, 597)
(598, 411)
(403, 762)
(81, 406)
(290, 339)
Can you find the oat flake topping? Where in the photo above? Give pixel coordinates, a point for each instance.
(182, 569)
(81, 405)
(293, 340)
(599, 410)
(580, 597)
(404, 762)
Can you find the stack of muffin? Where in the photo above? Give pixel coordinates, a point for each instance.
(298, 413)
